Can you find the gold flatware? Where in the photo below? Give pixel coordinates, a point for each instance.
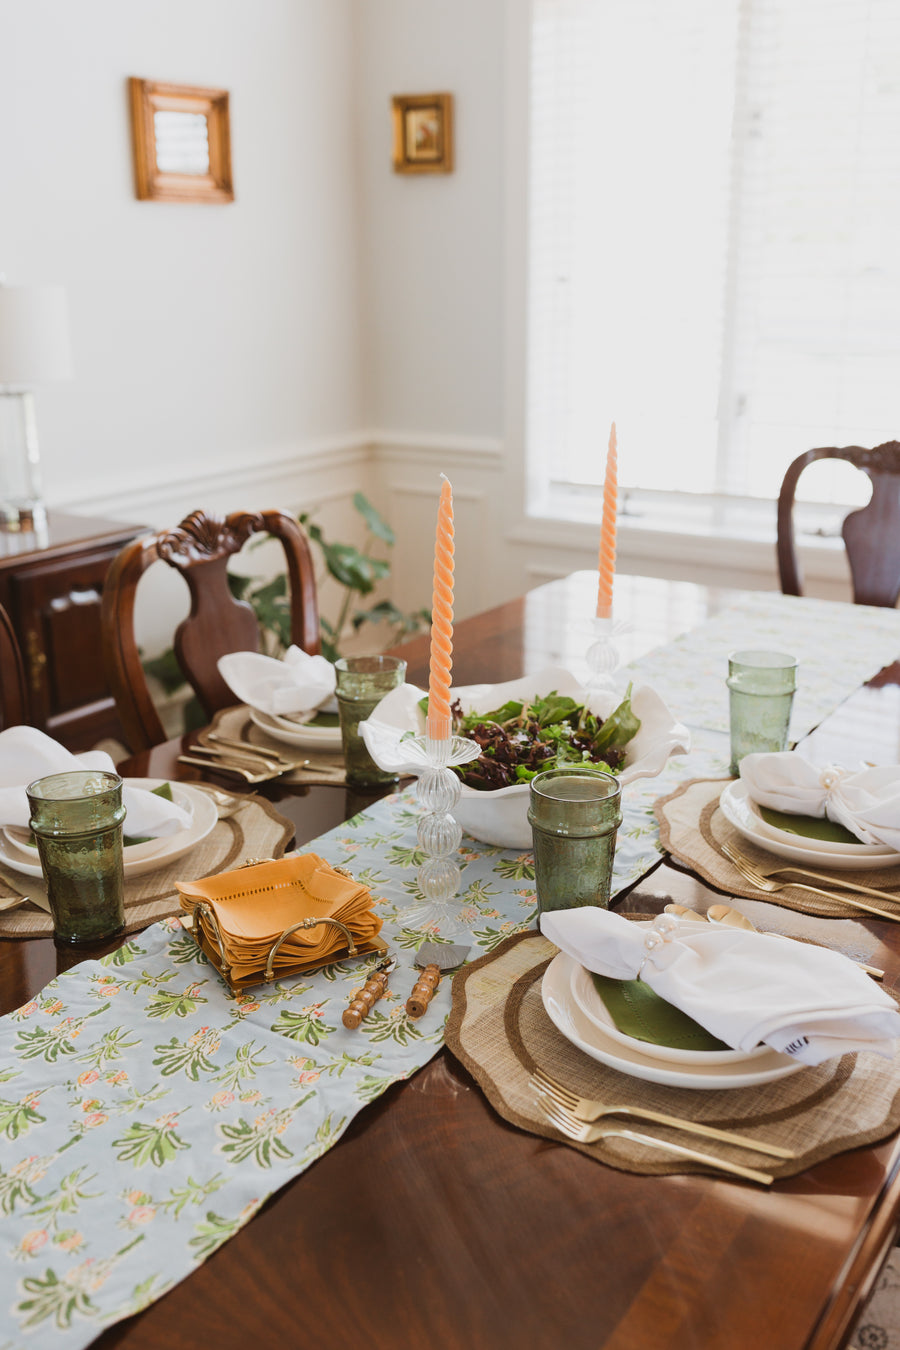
(589, 1134)
(733, 918)
(244, 747)
(822, 876)
(584, 1110)
(222, 766)
(239, 756)
(23, 889)
(764, 883)
(227, 804)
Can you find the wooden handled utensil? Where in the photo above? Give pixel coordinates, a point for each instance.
(432, 958)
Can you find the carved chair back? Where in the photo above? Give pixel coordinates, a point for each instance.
(871, 534)
(13, 695)
(199, 548)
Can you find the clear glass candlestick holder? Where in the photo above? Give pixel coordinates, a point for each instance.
(602, 656)
(439, 836)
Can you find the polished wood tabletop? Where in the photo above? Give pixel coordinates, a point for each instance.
(434, 1222)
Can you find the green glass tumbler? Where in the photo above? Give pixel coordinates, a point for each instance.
(761, 688)
(76, 819)
(575, 815)
(362, 682)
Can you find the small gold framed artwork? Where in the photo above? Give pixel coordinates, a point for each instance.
(182, 142)
(423, 133)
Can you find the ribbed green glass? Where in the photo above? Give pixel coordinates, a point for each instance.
(575, 815)
(362, 682)
(761, 688)
(76, 819)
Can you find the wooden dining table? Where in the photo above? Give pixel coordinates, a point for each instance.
(434, 1223)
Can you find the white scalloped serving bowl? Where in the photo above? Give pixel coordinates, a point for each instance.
(501, 817)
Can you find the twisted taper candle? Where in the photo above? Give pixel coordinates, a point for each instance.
(438, 723)
(607, 559)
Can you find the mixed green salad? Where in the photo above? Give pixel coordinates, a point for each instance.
(521, 739)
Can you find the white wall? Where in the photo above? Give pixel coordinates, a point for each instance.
(207, 338)
(339, 326)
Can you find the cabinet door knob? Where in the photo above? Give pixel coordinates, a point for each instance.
(37, 660)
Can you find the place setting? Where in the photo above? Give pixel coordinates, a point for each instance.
(169, 830)
(285, 725)
(824, 839)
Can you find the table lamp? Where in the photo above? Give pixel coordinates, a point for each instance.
(34, 348)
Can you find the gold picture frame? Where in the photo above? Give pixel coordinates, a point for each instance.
(423, 133)
(182, 142)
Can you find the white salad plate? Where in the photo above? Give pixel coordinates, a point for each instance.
(296, 733)
(737, 808)
(595, 1010)
(139, 858)
(595, 1041)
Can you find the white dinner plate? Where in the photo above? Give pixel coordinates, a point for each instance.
(296, 733)
(595, 1010)
(138, 860)
(739, 793)
(735, 807)
(570, 1021)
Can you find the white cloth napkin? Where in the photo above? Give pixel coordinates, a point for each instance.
(300, 683)
(27, 754)
(867, 803)
(745, 988)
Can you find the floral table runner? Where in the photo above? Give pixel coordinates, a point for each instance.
(146, 1114)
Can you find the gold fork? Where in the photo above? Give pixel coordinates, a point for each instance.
(765, 883)
(589, 1134)
(585, 1110)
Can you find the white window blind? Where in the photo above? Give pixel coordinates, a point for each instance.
(714, 241)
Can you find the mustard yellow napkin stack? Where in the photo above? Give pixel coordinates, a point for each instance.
(253, 906)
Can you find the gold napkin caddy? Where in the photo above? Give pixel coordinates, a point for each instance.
(273, 918)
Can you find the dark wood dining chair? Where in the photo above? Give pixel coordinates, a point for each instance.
(13, 694)
(871, 534)
(200, 548)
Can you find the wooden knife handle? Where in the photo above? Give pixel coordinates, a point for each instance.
(424, 991)
(363, 1000)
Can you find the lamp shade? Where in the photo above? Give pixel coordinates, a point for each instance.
(34, 335)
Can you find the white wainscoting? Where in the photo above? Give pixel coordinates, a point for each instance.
(499, 551)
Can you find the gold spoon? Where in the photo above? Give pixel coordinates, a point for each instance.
(733, 918)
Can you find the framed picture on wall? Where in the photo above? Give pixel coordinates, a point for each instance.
(423, 133)
(182, 142)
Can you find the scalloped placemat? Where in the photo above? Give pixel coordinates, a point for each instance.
(693, 830)
(500, 1032)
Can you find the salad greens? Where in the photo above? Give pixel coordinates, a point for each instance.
(521, 739)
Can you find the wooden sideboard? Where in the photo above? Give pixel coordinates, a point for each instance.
(50, 585)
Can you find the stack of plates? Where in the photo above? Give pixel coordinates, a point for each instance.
(293, 732)
(743, 813)
(18, 854)
(576, 1010)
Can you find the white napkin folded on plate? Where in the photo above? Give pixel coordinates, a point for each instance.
(27, 754)
(299, 683)
(745, 988)
(867, 803)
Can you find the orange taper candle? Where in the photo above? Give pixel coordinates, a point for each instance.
(438, 723)
(607, 561)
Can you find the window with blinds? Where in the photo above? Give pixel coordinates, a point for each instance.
(714, 242)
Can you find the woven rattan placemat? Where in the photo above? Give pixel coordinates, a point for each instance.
(693, 830)
(256, 830)
(500, 1032)
(236, 723)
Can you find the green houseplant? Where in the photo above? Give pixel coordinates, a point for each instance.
(357, 572)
